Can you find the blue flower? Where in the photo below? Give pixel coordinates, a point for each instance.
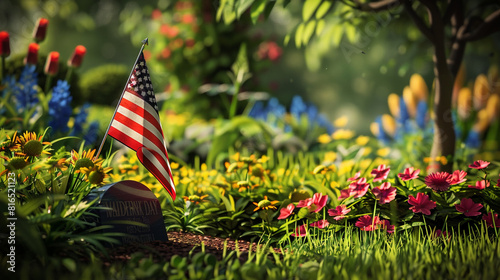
(60, 107)
(274, 107)
(473, 139)
(25, 91)
(403, 112)
(92, 133)
(80, 120)
(258, 111)
(297, 107)
(382, 136)
(421, 117)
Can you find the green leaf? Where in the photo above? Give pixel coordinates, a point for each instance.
(257, 8)
(323, 9)
(320, 26)
(309, 7)
(242, 6)
(299, 34)
(308, 31)
(337, 33)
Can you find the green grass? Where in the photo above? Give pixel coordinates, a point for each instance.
(346, 254)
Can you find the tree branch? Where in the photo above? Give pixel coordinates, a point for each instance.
(458, 27)
(489, 26)
(418, 21)
(383, 5)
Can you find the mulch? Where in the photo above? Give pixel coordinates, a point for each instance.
(181, 244)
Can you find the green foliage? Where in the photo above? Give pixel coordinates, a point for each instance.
(104, 84)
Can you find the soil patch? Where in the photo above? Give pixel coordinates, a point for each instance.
(181, 244)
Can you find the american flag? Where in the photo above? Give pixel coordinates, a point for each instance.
(136, 124)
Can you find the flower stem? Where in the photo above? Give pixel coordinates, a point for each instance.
(2, 72)
(48, 81)
(69, 74)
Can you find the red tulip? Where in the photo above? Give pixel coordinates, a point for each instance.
(32, 57)
(52, 64)
(40, 29)
(4, 44)
(77, 57)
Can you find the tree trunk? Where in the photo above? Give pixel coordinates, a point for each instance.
(444, 132)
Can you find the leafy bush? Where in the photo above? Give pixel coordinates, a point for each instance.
(104, 84)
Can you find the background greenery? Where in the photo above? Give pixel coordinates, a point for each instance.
(356, 86)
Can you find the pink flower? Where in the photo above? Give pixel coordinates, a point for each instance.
(366, 223)
(356, 176)
(410, 173)
(339, 212)
(438, 181)
(319, 201)
(300, 231)
(421, 204)
(492, 219)
(479, 164)
(385, 193)
(286, 212)
(386, 224)
(359, 188)
(315, 204)
(498, 182)
(457, 177)
(380, 173)
(468, 207)
(304, 203)
(320, 224)
(480, 185)
(345, 193)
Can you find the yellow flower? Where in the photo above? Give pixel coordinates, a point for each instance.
(394, 101)
(324, 139)
(85, 160)
(11, 144)
(481, 92)
(195, 198)
(96, 175)
(383, 152)
(343, 134)
(375, 129)
(346, 166)
(265, 204)
(483, 121)
(31, 145)
(389, 124)
(367, 151)
(419, 87)
(341, 122)
(321, 169)
(174, 165)
(330, 157)
(362, 140)
(410, 101)
(464, 103)
(493, 107)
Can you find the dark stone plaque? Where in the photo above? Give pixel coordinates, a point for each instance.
(130, 201)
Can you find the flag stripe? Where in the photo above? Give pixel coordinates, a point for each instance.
(152, 159)
(130, 122)
(135, 140)
(136, 124)
(135, 103)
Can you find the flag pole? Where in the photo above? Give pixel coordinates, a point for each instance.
(144, 42)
